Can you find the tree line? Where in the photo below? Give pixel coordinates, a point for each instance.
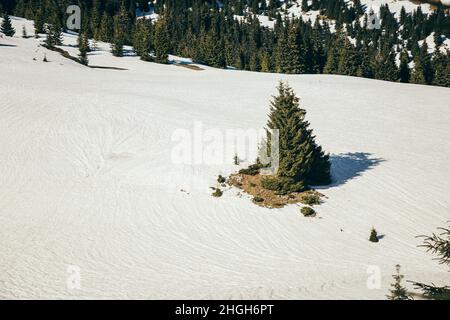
(228, 33)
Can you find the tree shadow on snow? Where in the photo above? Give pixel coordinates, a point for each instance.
(347, 166)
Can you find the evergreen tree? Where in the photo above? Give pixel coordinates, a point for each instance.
(265, 63)
(293, 61)
(404, 72)
(121, 28)
(305, 6)
(24, 32)
(438, 244)
(6, 28)
(118, 38)
(423, 73)
(418, 74)
(332, 64)
(334, 55)
(83, 47)
(398, 292)
(143, 41)
(213, 51)
(54, 36)
(373, 235)
(441, 66)
(161, 42)
(348, 60)
(301, 161)
(106, 29)
(38, 23)
(236, 160)
(387, 69)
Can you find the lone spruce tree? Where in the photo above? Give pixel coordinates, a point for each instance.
(6, 27)
(302, 162)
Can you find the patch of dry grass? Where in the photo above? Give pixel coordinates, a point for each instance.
(251, 184)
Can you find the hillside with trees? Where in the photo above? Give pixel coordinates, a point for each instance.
(229, 33)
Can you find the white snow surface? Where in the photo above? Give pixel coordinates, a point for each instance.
(87, 183)
(396, 5)
(295, 10)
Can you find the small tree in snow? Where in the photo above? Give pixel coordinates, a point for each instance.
(24, 32)
(236, 159)
(83, 47)
(373, 235)
(398, 292)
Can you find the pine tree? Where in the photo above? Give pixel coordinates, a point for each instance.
(333, 56)
(161, 42)
(422, 73)
(438, 244)
(236, 160)
(441, 66)
(417, 75)
(373, 235)
(213, 51)
(289, 55)
(305, 7)
(6, 28)
(24, 32)
(143, 40)
(301, 161)
(38, 23)
(348, 61)
(118, 38)
(265, 63)
(54, 36)
(331, 66)
(293, 53)
(121, 26)
(106, 30)
(138, 37)
(404, 72)
(398, 292)
(83, 47)
(387, 68)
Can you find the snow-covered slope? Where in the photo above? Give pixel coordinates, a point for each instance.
(396, 5)
(295, 10)
(88, 183)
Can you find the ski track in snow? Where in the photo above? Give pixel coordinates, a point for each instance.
(87, 180)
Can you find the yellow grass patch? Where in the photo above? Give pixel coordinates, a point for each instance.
(268, 198)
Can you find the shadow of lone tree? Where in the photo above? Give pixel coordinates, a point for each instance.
(347, 166)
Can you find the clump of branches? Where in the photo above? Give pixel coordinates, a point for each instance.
(432, 291)
(438, 244)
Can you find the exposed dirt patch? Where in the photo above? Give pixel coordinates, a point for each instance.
(268, 198)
